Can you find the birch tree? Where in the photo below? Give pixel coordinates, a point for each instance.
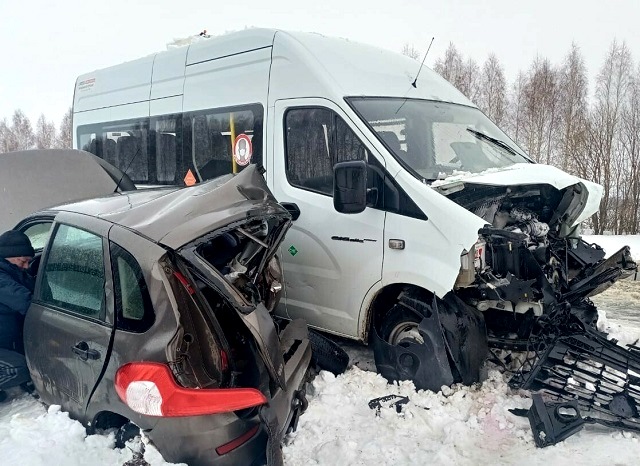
(612, 88)
(65, 135)
(493, 90)
(23, 137)
(45, 136)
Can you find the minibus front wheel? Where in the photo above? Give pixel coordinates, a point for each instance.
(432, 342)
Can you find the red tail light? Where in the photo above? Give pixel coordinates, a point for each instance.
(149, 388)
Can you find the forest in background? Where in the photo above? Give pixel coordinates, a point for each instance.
(550, 109)
(552, 112)
(19, 134)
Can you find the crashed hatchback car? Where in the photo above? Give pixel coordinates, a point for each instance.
(152, 311)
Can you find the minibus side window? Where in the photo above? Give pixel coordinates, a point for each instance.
(166, 145)
(317, 139)
(212, 136)
(123, 144)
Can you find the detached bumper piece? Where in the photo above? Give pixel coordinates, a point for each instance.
(552, 423)
(579, 367)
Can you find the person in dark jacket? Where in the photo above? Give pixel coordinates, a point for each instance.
(16, 287)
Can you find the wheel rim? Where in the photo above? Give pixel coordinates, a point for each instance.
(405, 333)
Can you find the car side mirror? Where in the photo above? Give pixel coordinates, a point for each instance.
(350, 186)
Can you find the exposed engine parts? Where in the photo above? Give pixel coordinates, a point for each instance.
(530, 259)
(532, 279)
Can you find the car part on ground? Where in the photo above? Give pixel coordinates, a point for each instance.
(389, 401)
(431, 341)
(571, 361)
(553, 422)
(327, 354)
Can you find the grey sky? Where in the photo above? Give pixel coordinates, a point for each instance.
(48, 44)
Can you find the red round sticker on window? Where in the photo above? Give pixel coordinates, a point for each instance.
(242, 149)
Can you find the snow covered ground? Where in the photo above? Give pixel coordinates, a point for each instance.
(458, 426)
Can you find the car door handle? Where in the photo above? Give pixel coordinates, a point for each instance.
(293, 209)
(82, 349)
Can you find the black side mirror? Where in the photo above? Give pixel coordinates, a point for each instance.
(350, 186)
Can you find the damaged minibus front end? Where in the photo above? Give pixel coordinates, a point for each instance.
(529, 263)
(530, 257)
(531, 275)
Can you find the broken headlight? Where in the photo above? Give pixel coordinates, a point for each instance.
(471, 262)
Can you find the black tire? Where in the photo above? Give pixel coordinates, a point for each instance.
(127, 432)
(327, 354)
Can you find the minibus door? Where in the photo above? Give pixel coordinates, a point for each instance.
(330, 259)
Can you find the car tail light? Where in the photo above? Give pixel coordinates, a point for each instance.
(149, 388)
(235, 443)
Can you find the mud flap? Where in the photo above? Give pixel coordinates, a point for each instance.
(466, 334)
(427, 364)
(454, 349)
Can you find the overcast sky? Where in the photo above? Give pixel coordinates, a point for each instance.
(46, 44)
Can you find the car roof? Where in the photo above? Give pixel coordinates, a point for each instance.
(177, 216)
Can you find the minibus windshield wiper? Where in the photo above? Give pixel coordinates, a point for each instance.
(494, 141)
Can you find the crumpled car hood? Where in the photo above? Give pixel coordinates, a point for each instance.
(522, 174)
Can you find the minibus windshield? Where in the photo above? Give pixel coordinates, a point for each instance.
(436, 139)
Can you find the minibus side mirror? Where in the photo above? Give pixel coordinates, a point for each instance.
(350, 186)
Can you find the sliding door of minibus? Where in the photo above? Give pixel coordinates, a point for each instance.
(330, 259)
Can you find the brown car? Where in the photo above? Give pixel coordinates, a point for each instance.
(152, 312)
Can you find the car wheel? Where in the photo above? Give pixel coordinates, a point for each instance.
(327, 354)
(408, 355)
(400, 327)
(452, 347)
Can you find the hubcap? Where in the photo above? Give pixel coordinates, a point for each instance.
(405, 333)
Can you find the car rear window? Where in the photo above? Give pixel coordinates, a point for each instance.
(133, 303)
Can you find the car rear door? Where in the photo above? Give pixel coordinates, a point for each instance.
(69, 326)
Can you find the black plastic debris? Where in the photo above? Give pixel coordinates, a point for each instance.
(389, 401)
(453, 348)
(327, 354)
(576, 362)
(574, 367)
(552, 423)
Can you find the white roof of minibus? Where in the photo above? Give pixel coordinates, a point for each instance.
(357, 69)
(340, 66)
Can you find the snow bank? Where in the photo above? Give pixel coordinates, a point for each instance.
(33, 435)
(458, 426)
